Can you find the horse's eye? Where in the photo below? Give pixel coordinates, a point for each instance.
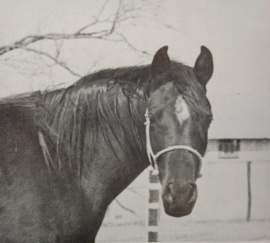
(208, 120)
(154, 125)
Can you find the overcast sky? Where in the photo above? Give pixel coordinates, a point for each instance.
(237, 32)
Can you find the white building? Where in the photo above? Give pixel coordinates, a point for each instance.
(241, 131)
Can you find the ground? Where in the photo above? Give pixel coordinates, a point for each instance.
(176, 231)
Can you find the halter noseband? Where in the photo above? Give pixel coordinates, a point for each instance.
(153, 157)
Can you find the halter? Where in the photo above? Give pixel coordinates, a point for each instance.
(153, 157)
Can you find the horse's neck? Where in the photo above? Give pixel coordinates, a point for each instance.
(107, 166)
(109, 172)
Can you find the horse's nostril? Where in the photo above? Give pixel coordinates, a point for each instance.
(187, 192)
(169, 193)
(193, 192)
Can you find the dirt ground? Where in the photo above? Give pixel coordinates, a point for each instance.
(189, 232)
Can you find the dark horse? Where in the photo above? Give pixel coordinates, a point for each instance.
(66, 154)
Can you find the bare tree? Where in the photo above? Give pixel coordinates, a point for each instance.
(104, 26)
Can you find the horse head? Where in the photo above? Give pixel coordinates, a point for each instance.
(178, 116)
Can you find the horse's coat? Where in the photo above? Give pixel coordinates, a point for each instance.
(66, 154)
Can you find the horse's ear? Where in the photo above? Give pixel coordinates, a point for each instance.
(161, 63)
(204, 66)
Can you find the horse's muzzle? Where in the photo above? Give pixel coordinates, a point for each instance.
(179, 200)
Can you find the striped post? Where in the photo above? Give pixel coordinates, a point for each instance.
(153, 207)
(249, 190)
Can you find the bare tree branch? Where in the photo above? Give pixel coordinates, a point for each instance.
(125, 208)
(53, 36)
(131, 46)
(101, 34)
(102, 27)
(121, 14)
(62, 64)
(116, 17)
(135, 192)
(97, 19)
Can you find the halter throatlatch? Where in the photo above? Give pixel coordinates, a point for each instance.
(153, 157)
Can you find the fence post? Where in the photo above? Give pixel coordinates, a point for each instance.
(153, 207)
(249, 190)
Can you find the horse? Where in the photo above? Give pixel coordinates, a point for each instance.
(65, 154)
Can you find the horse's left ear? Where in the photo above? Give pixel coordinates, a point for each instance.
(204, 66)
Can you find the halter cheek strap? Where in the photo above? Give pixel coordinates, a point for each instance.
(153, 157)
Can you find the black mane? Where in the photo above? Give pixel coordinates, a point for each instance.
(111, 101)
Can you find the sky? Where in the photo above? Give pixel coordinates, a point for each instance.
(237, 33)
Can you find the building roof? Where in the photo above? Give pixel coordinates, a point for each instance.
(240, 116)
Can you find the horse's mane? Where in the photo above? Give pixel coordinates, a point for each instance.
(111, 101)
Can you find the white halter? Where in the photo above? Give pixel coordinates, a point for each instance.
(153, 157)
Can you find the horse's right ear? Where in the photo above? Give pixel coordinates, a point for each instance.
(161, 63)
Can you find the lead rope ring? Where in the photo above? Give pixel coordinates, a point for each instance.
(153, 157)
